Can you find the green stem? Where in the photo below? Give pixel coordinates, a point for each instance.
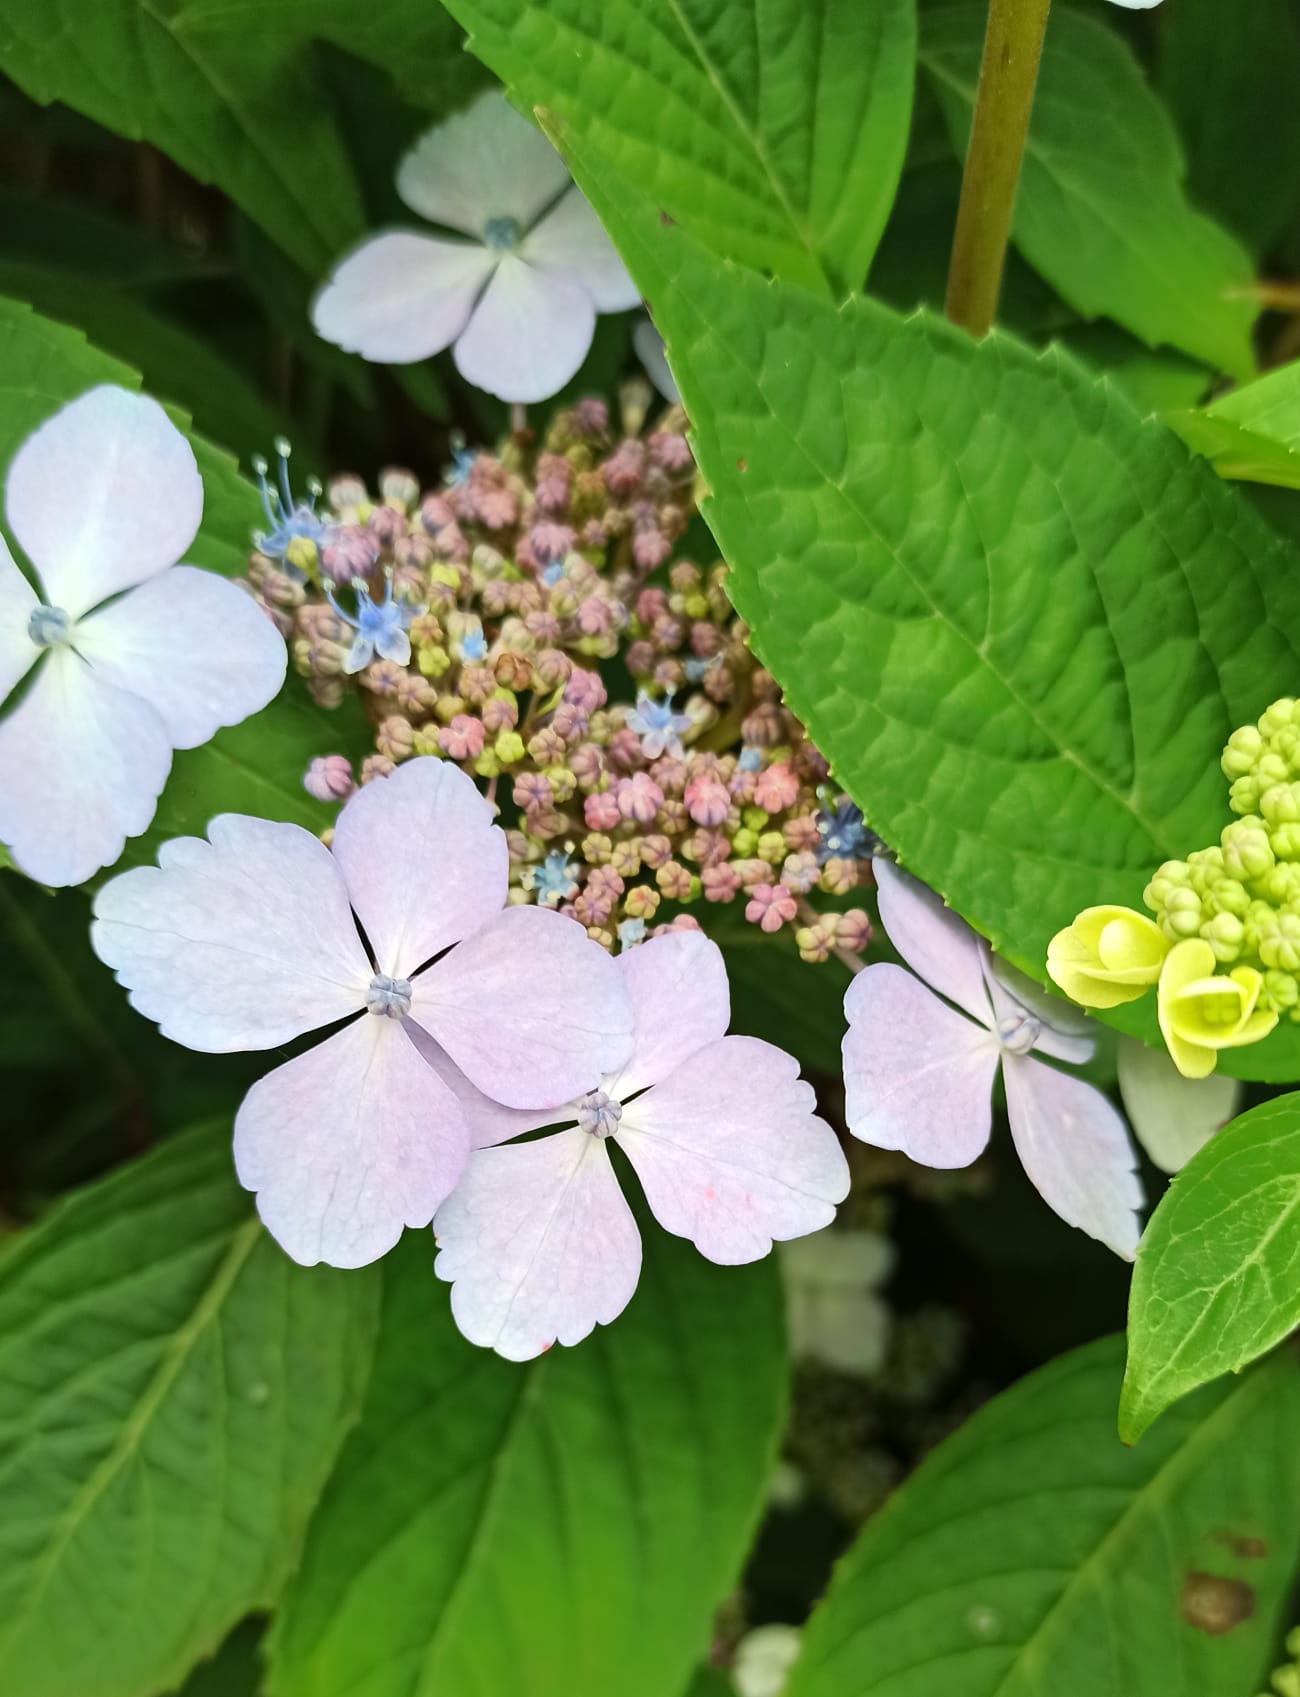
(1013, 42)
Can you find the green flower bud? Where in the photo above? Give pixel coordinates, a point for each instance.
(509, 748)
(1271, 769)
(1182, 916)
(1277, 717)
(754, 818)
(1280, 804)
(1279, 944)
(1281, 988)
(1243, 750)
(1286, 842)
(744, 845)
(1247, 852)
(1173, 875)
(1244, 795)
(1228, 895)
(1278, 887)
(1224, 934)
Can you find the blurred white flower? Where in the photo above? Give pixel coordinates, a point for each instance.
(1172, 1116)
(835, 1316)
(763, 1659)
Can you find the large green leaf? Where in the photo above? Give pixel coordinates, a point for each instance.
(562, 1527)
(1033, 1556)
(173, 1393)
(779, 125)
(1101, 210)
(1218, 1271)
(1252, 432)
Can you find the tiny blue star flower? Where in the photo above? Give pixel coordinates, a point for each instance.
(751, 759)
(551, 575)
(381, 626)
(297, 529)
(457, 473)
(553, 881)
(473, 647)
(658, 727)
(631, 931)
(844, 834)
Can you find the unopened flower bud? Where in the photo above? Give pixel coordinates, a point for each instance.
(1247, 851)
(329, 778)
(1224, 933)
(770, 907)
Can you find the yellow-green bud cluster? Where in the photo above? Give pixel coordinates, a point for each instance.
(1286, 1679)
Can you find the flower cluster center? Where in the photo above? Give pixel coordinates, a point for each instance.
(49, 626)
(501, 232)
(1018, 1032)
(599, 1114)
(390, 997)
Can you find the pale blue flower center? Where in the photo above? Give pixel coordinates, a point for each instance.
(502, 233)
(1018, 1032)
(49, 626)
(376, 619)
(474, 646)
(599, 1114)
(390, 997)
(553, 881)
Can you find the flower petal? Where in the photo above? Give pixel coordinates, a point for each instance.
(82, 765)
(489, 1122)
(649, 346)
(1075, 1148)
(485, 162)
(527, 336)
(196, 648)
(677, 985)
(917, 1076)
(348, 1144)
(538, 1245)
(18, 601)
(422, 860)
(400, 297)
(1172, 1116)
(239, 942)
(731, 1153)
(935, 942)
(103, 495)
(529, 1008)
(1062, 1032)
(571, 242)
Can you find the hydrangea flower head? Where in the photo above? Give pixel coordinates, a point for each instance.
(517, 302)
(919, 1074)
(255, 936)
(659, 729)
(538, 1242)
(105, 497)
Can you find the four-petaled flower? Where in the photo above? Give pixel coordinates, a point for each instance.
(538, 1242)
(381, 626)
(919, 1076)
(251, 939)
(105, 497)
(519, 300)
(659, 729)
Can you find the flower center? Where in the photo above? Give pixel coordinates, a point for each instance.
(501, 232)
(49, 626)
(1018, 1032)
(389, 996)
(599, 1114)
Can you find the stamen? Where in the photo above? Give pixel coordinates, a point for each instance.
(501, 232)
(1018, 1032)
(48, 626)
(389, 997)
(599, 1114)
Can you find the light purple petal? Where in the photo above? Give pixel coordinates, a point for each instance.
(649, 345)
(538, 1245)
(349, 1143)
(677, 985)
(527, 336)
(485, 162)
(239, 942)
(917, 1076)
(196, 648)
(82, 765)
(1076, 1150)
(400, 297)
(103, 495)
(423, 861)
(18, 653)
(489, 1122)
(730, 1151)
(570, 242)
(1061, 1029)
(935, 942)
(529, 1008)
(1172, 1116)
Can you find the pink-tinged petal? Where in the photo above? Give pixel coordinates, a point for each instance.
(527, 336)
(677, 985)
(423, 861)
(1075, 1148)
(489, 1122)
(1172, 1116)
(1062, 1031)
(934, 941)
(239, 942)
(349, 1143)
(103, 495)
(401, 297)
(730, 1151)
(529, 1008)
(201, 652)
(917, 1076)
(649, 346)
(570, 242)
(18, 601)
(538, 1245)
(485, 162)
(82, 765)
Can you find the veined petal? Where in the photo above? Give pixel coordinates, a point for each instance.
(570, 242)
(18, 601)
(677, 985)
(730, 1151)
(348, 1144)
(239, 942)
(196, 648)
(1075, 1148)
(485, 162)
(82, 765)
(489, 1122)
(423, 862)
(400, 297)
(527, 336)
(538, 1245)
(917, 1076)
(1172, 1116)
(103, 495)
(529, 1008)
(935, 942)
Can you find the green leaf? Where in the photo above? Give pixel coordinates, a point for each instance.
(1101, 211)
(1217, 1280)
(780, 125)
(561, 1527)
(1252, 433)
(1033, 1556)
(173, 1393)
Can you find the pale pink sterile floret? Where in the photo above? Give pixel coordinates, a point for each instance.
(919, 1074)
(104, 498)
(538, 1241)
(255, 936)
